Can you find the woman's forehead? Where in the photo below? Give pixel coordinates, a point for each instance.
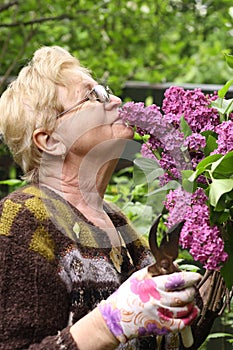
(84, 79)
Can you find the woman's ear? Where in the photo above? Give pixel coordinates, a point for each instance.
(50, 144)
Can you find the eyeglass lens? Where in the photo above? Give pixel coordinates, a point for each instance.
(100, 93)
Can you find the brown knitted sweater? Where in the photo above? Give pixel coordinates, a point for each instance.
(56, 266)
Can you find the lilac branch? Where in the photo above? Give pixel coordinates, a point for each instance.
(35, 21)
(7, 6)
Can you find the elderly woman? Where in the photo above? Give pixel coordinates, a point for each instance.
(73, 272)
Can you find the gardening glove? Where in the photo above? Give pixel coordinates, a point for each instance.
(145, 305)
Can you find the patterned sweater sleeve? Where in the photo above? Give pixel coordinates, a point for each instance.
(34, 302)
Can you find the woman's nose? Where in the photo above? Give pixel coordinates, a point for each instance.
(114, 102)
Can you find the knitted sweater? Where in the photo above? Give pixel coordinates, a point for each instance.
(55, 267)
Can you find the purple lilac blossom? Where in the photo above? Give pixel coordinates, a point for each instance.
(147, 152)
(112, 318)
(173, 119)
(154, 143)
(144, 118)
(196, 157)
(225, 137)
(193, 105)
(165, 178)
(163, 136)
(167, 162)
(195, 141)
(177, 202)
(174, 99)
(203, 240)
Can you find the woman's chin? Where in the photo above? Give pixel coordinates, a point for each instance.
(122, 131)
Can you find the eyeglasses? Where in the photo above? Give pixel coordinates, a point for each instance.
(98, 93)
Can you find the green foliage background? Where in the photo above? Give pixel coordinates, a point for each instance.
(153, 40)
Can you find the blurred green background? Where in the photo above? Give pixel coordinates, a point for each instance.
(153, 40)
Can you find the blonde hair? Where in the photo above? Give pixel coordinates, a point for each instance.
(31, 101)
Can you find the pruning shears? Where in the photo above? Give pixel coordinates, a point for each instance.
(167, 252)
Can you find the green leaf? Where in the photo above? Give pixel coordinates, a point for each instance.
(220, 206)
(11, 182)
(223, 165)
(146, 170)
(218, 104)
(189, 267)
(222, 92)
(184, 127)
(224, 217)
(171, 185)
(229, 59)
(206, 162)
(188, 185)
(211, 145)
(196, 173)
(111, 198)
(223, 106)
(219, 335)
(217, 188)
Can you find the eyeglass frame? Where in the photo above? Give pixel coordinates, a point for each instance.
(101, 96)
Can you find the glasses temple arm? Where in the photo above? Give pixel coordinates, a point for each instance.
(71, 108)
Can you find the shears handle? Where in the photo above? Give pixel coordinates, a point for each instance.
(165, 254)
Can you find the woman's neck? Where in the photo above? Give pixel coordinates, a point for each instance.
(90, 204)
(81, 183)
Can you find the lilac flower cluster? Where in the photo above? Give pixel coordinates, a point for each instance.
(195, 141)
(164, 128)
(164, 137)
(175, 152)
(193, 105)
(147, 152)
(195, 144)
(225, 137)
(203, 240)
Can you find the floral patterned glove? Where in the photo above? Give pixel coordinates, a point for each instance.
(145, 305)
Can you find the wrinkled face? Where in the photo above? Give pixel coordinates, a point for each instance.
(91, 124)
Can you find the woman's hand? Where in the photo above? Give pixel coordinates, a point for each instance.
(145, 305)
